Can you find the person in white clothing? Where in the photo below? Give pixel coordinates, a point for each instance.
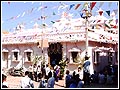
(26, 82)
(47, 71)
(39, 74)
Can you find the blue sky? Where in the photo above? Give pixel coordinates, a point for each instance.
(29, 13)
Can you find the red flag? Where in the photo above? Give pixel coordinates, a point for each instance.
(113, 26)
(98, 21)
(77, 6)
(92, 5)
(100, 12)
(100, 25)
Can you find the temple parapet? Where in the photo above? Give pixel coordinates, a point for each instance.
(62, 37)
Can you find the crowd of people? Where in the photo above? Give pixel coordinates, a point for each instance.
(74, 80)
(107, 76)
(47, 77)
(44, 74)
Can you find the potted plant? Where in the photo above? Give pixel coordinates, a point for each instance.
(63, 64)
(37, 58)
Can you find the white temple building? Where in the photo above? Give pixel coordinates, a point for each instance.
(65, 39)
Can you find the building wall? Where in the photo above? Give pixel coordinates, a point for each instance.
(21, 54)
(66, 54)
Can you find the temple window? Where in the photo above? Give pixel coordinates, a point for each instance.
(28, 55)
(15, 55)
(74, 56)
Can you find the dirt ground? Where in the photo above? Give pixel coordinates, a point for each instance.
(14, 82)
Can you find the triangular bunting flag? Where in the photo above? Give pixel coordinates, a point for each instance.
(108, 12)
(57, 20)
(43, 17)
(77, 6)
(114, 26)
(52, 21)
(110, 20)
(54, 13)
(98, 21)
(107, 26)
(71, 6)
(100, 12)
(100, 25)
(81, 14)
(92, 5)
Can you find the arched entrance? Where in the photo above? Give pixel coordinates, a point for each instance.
(55, 53)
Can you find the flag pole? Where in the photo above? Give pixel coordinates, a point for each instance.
(86, 71)
(42, 33)
(86, 18)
